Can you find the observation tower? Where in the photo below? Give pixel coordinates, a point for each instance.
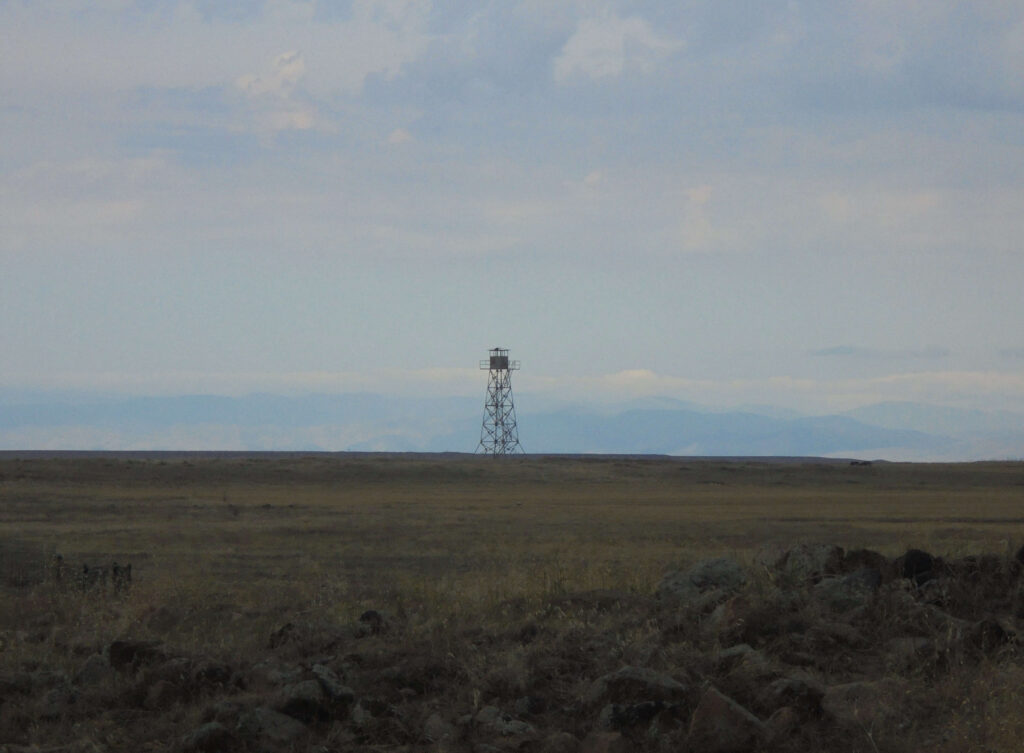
(499, 434)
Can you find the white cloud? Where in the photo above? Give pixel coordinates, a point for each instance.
(399, 136)
(607, 46)
(697, 233)
(808, 395)
(288, 68)
(69, 51)
(798, 178)
(275, 97)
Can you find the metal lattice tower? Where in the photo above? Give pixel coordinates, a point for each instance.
(499, 434)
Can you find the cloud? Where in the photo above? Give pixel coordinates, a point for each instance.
(993, 390)
(275, 97)
(697, 233)
(426, 381)
(288, 68)
(851, 351)
(608, 46)
(399, 136)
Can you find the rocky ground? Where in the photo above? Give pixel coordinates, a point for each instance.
(814, 648)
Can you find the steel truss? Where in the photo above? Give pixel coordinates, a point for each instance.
(499, 434)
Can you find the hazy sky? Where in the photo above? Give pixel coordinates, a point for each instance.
(814, 204)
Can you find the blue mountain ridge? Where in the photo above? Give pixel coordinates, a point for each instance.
(380, 422)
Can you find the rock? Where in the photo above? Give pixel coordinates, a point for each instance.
(332, 685)
(720, 725)
(935, 591)
(436, 729)
(272, 726)
(916, 565)
(605, 742)
(635, 684)
(858, 559)
(302, 700)
(799, 692)
(19, 682)
(668, 726)
(225, 712)
(749, 667)
(840, 633)
(495, 721)
(529, 705)
(360, 715)
(905, 653)
(373, 622)
(726, 621)
(988, 634)
(177, 671)
(849, 591)
(211, 737)
(702, 584)
(728, 657)
(282, 635)
(210, 674)
(809, 563)
(614, 717)
(987, 570)
(277, 674)
(780, 725)
(162, 694)
(95, 671)
(126, 656)
(559, 742)
(862, 703)
(56, 702)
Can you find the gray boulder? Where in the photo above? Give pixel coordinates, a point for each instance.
(302, 700)
(95, 671)
(800, 691)
(618, 717)
(56, 702)
(863, 704)
(212, 736)
(720, 725)
(494, 721)
(436, 729)
(126, 656)
(332, 685)
(559, 742)
(848, 591)
(704, 584)
(270, 726)
(809, 563)
(273, 673)
(635, 684)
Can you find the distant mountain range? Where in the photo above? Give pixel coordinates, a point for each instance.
(897, 431)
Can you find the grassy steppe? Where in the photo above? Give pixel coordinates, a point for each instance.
(227, 549)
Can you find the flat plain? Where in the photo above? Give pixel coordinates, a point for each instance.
(229, 549)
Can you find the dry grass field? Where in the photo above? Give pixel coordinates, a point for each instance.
(246, 562)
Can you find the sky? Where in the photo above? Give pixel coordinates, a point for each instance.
(816, 205)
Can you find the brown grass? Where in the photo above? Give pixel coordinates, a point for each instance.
(226, 550)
